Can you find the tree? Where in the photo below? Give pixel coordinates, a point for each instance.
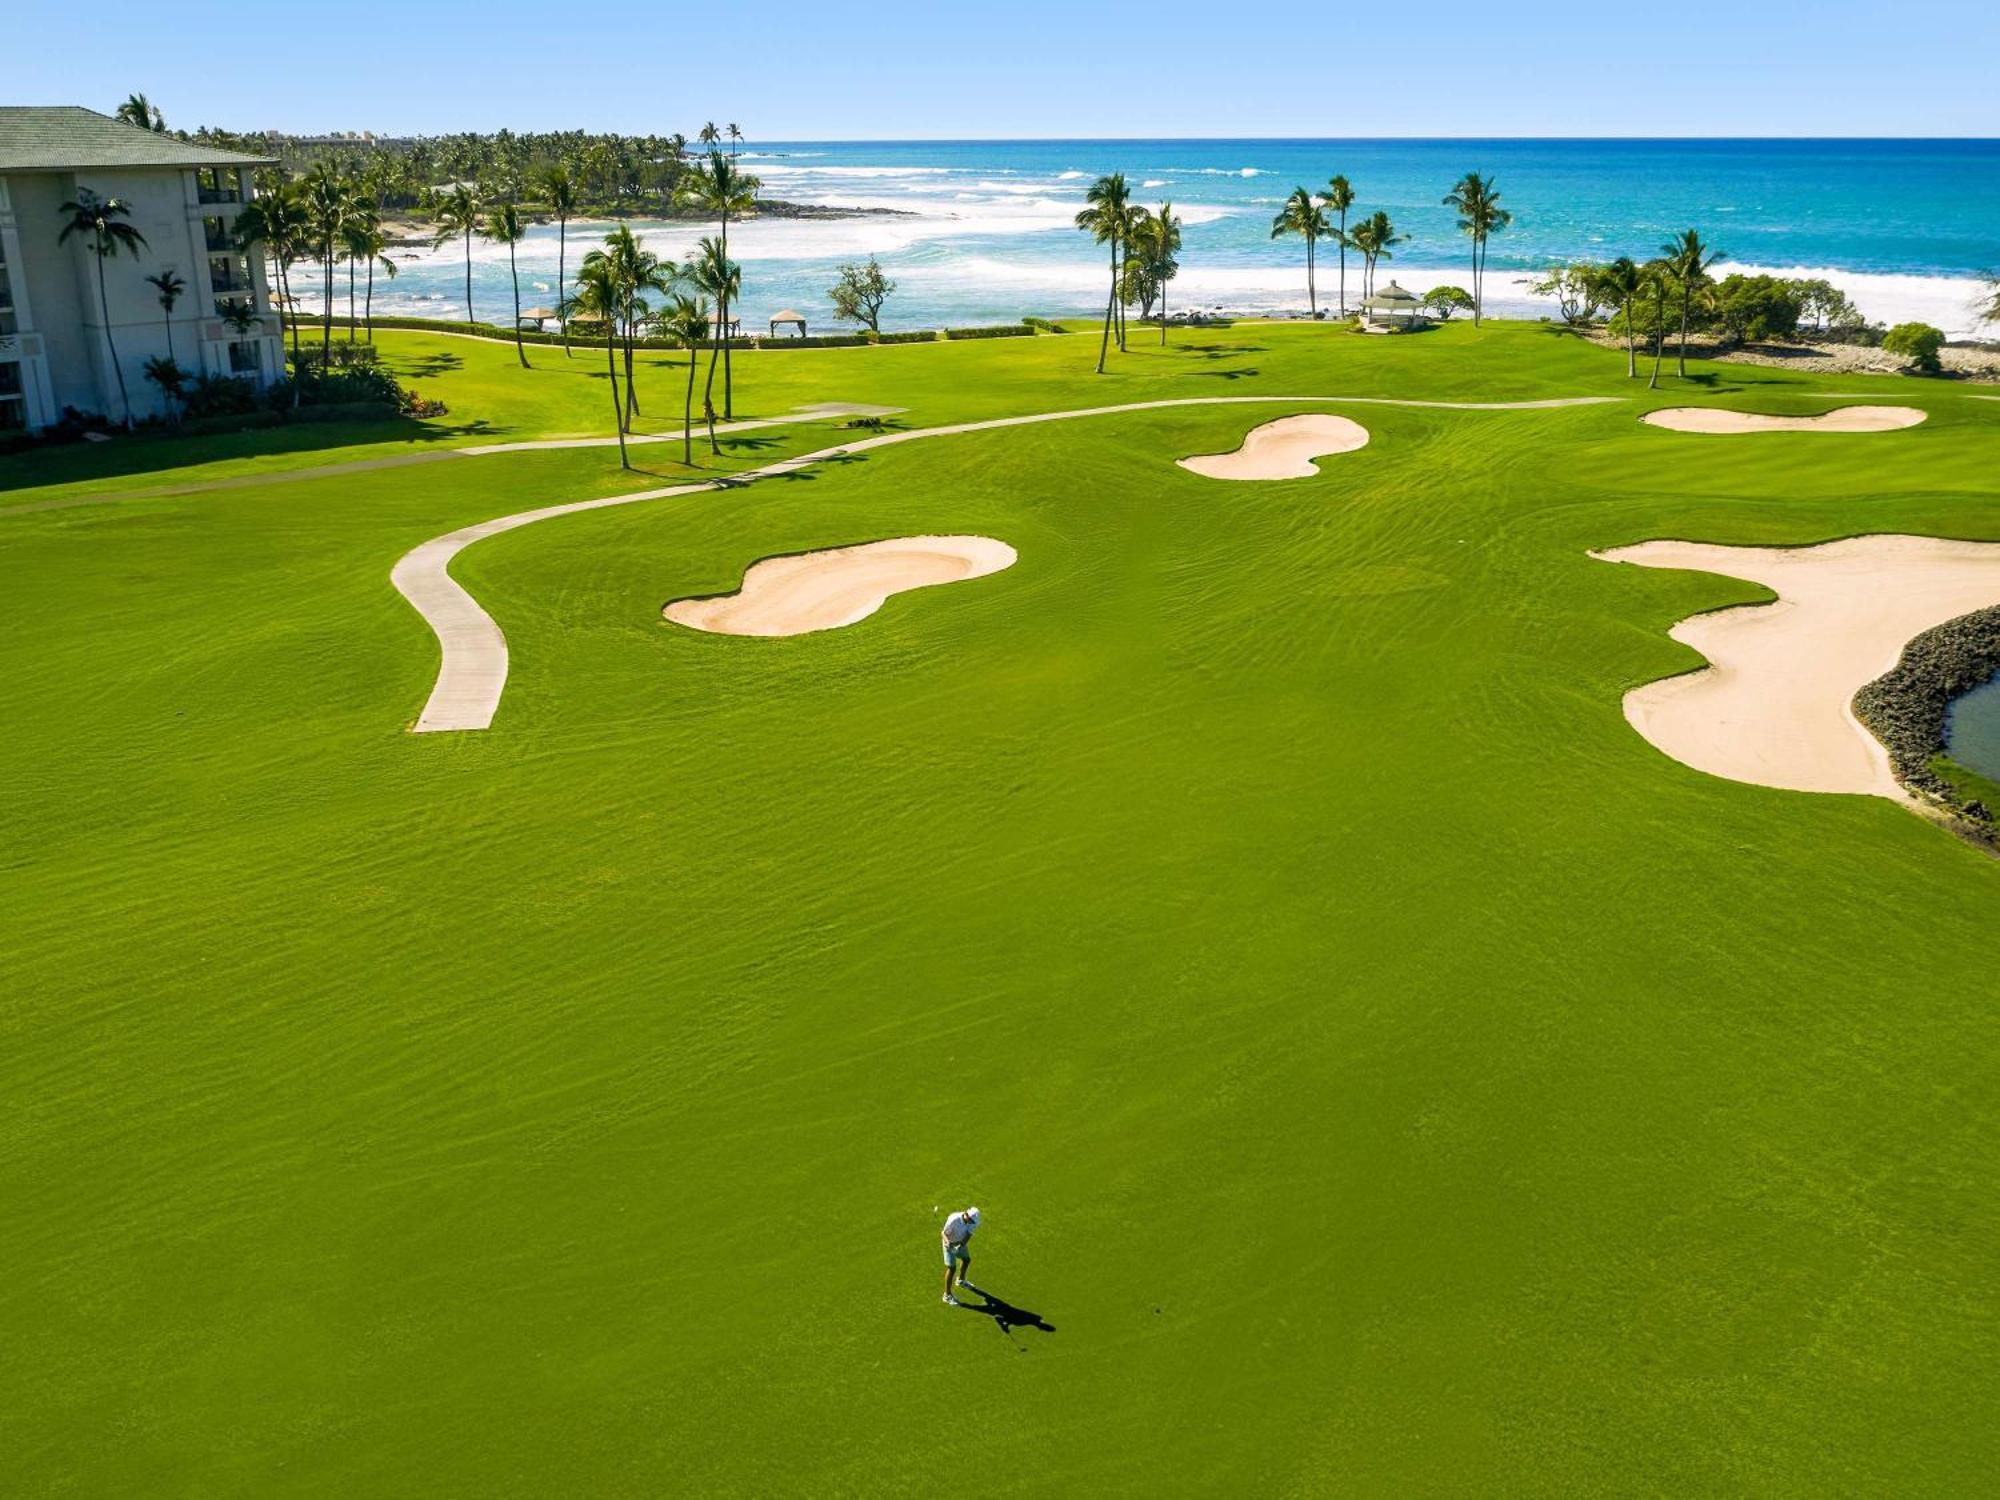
(275, 220)
(1687, 261)
(635, 270)
(170, 287)
(684, 324)
(1658, 277)
(598, 297)
(1919, 343)
(103, 220)
(139, 111)
(328, 205)
(366, 243)
(718, 187)
(457, 217)
(1443, 301)
(1302, 216)
(559, 188)
(1576, 290)
(1104, 218)
(1157, 256)
(1479, 214)
(859, 294)
(1753, 309)
(710, 270)
(1338, 197)
(170, 378)
(1620, 284)
(504, 226)
(359, 227)
(1374, 237)
(1827, 305)
(735, 139)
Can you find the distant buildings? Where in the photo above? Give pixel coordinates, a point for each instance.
(183, 198)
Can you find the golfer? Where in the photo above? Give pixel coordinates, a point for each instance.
(957, 1237)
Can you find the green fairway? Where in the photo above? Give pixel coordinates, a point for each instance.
(1387, 1072)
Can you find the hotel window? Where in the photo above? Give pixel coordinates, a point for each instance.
(225, 305)
(244, 358)
(216, 185)
(226, 273)
(217, 234)
(8, 322)
(13, 404)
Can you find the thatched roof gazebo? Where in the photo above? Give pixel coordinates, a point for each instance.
(1391, 300)
(788, 317)
(533, 318)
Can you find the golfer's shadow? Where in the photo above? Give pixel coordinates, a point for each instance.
(1005, 1315)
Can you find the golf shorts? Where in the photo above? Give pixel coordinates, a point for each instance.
(957, 1254)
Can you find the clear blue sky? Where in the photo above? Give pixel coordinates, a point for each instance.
(849, 69)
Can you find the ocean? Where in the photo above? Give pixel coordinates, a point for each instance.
(985, 234)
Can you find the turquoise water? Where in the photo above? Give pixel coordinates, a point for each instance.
(1904, 226)
(1972, 733)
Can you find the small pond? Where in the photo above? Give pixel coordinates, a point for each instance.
(1972, 732)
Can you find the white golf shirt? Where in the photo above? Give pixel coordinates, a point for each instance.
(958, 1229)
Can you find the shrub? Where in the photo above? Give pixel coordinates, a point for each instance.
(1041, 325)
(219, 396)
(1918, 343)
(1574, 286)
(909, 336)
(1442, 301)
(1003, 331)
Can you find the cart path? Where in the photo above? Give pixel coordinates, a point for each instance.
(472, 671)
(823, 411)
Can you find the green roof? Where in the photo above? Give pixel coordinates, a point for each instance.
(67, 138)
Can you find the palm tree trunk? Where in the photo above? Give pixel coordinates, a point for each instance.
(513, 269)
(350, 299)
(1659, 336)
(326, 315)
(1476, 309)
(368, 304)
(468, 274)
(687, 412)
(728, 370)
(562, 280)
(708, 389)
(1312, 292)
(617, 410)
(1163, 312)
(1687, 300)
(1343, 262)
(167, 317)
(110, 343)
(631, 385)
(1110, 302)
(1631, 346)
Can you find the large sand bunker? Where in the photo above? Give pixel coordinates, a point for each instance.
(824, 590)
(1842, 419)
(1774, 708)
(1284, 449)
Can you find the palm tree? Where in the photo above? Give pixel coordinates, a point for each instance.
(636, 271)
(103, 219)
(735, 140)
(328, 205)
(170, 286)
(457, 217)
(559, 188)
(363, 219)
(1373, 237)
(710, 136)
(276, 221)
(1687, 261)
(170, 378)
(720, 189)
(1163, 248)
(1657, 274)
(711, 271)
(1621, 282)
(138, 110)
(1338, 196)
(1479, 214)
(1302, 216)
(1105, 220)
(365, 242)
(598, 297)
(503, 226)
(684, 323)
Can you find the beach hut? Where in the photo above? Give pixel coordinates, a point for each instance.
(788, 317)
(717, 331)
(533, 319)
(1391, 300)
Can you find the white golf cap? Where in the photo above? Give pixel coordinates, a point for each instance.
(972, 1214)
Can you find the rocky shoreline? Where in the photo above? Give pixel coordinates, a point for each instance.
(1978, 362)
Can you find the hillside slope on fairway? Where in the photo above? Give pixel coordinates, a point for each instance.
(1385, 1072)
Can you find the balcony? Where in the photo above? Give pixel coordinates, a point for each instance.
(216, 234)
(215, 186)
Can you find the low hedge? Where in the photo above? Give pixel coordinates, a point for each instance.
(1003, 331)
(1907, 707)
(816, 341)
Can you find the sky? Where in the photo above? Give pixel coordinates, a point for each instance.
(1027, 68)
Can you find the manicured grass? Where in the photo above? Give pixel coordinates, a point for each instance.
(1388, 1073)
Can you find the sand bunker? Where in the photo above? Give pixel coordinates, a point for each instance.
(1284, 449)
(825, 590)
(1775, 706)
(1843, 419)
